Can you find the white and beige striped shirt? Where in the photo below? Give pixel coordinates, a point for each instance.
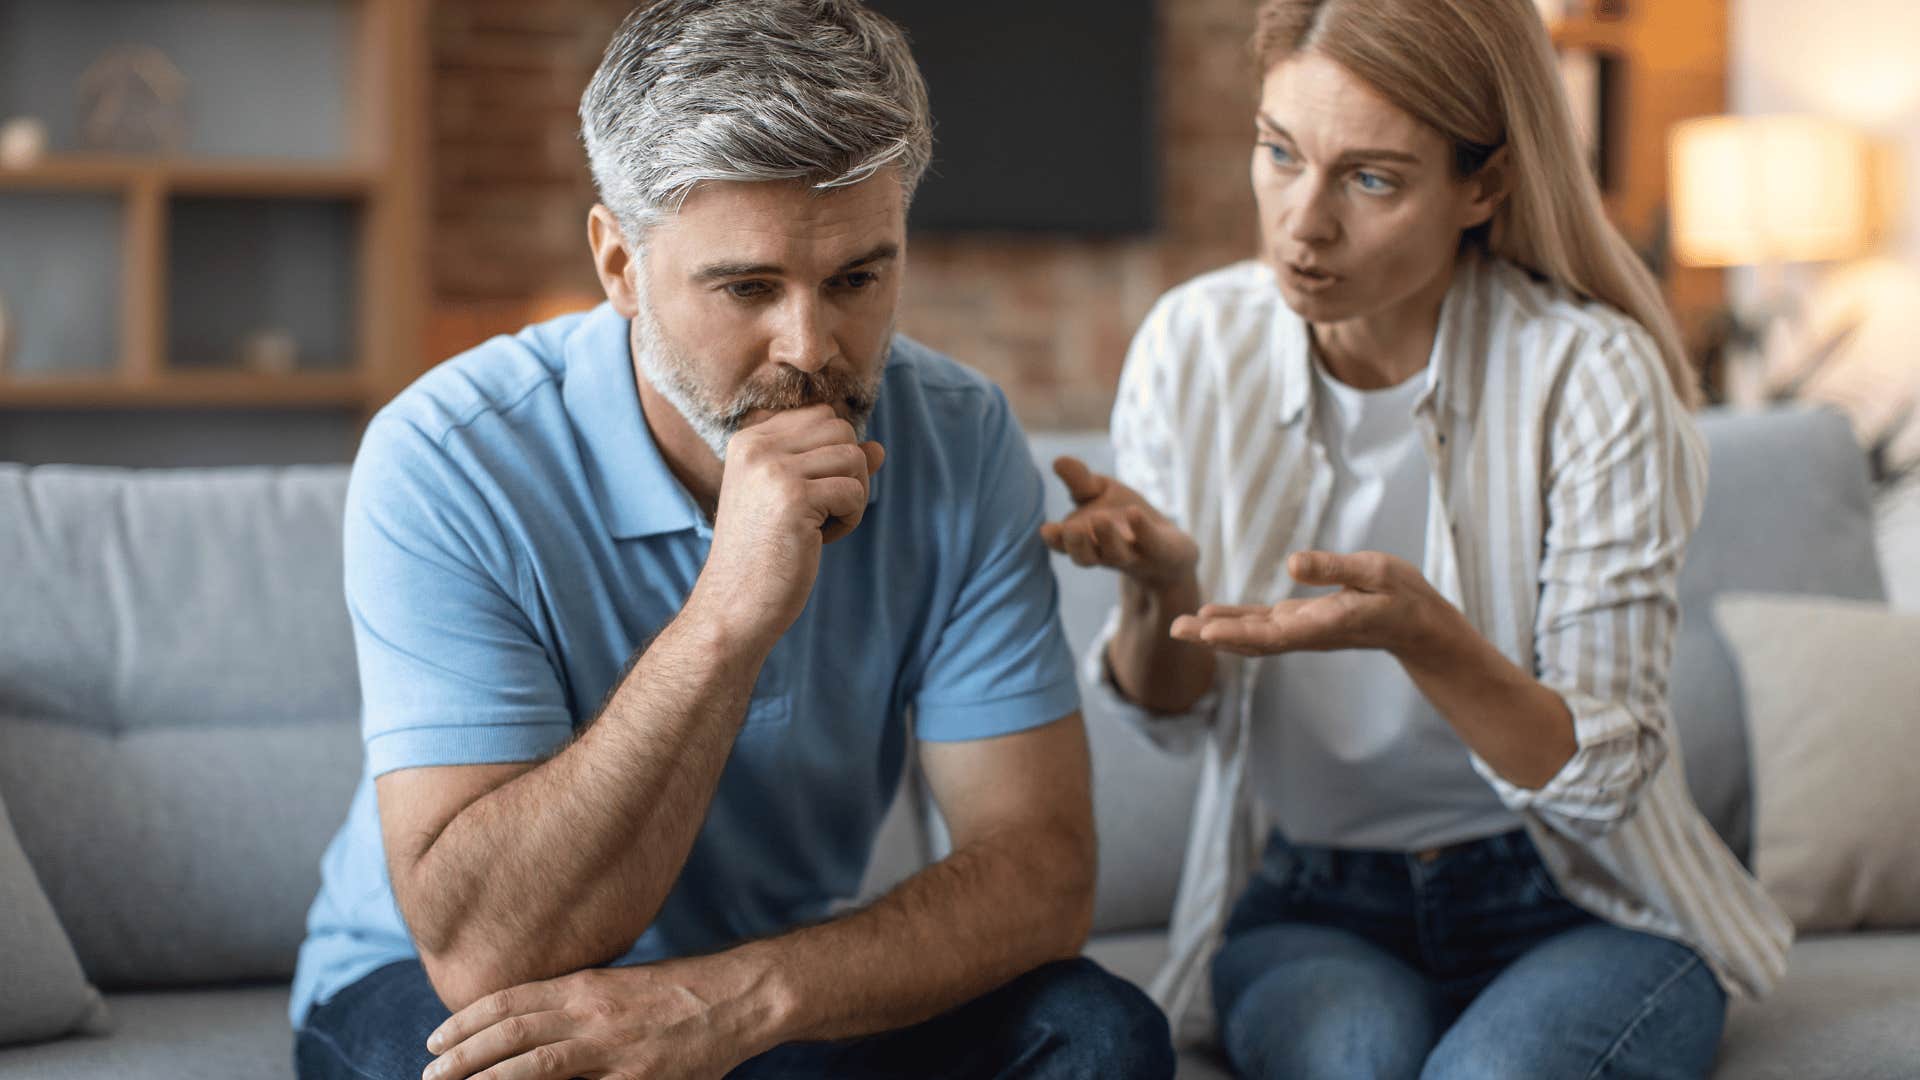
(1567, 477)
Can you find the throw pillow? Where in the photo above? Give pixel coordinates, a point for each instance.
(44, 994)
(1831, 688)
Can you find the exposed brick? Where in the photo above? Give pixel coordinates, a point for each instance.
(1050, 319)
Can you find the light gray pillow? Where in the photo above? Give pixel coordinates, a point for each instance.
(43, 993)
(1832, 688)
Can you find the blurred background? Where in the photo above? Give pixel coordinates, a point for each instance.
(231, 229)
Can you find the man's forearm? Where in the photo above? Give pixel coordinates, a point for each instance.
(1150, 666)
(958, 929)
(565, 865)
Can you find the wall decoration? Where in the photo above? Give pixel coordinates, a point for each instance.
(271, 351)
(133, 100)
(23, 142)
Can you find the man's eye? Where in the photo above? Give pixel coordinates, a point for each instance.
(747, 290)
(1373, 183)
(859, 279)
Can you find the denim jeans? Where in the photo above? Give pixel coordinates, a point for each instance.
(1067, 1019)
(1469, 964)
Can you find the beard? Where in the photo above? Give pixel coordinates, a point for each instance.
(676, 376)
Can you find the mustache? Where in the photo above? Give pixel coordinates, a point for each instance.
(791, 388)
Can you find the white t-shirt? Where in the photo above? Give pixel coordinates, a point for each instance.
(1345, 750)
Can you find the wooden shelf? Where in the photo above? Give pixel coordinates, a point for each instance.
(185, 389)
(240, 177)
(1603, 35)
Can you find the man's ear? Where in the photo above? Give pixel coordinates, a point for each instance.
(614, 261)
(1490, 187)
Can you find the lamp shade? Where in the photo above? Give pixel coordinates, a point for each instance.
(1762, 189)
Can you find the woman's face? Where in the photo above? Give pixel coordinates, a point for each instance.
(1359, 209)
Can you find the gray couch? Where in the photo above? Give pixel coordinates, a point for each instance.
(178, 741)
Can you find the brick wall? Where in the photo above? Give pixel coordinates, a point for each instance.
(1047, 318)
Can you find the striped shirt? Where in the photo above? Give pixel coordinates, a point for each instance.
(1567, 477)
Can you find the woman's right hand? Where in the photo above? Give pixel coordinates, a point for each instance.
(1113, 526)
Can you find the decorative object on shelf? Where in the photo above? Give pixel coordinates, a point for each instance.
(133, 100)
(1765, 191)
(271, 351)
(23, 142)
(1591, 78)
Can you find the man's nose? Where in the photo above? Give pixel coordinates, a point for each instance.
(803, 338)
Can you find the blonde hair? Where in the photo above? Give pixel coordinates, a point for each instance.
(1482, 73)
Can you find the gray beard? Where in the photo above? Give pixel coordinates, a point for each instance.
(673, 375)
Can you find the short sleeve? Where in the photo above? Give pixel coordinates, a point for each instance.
(1001, 663)
(451, 671)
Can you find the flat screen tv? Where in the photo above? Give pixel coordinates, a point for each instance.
(1044, 114)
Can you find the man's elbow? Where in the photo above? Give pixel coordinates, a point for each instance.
(1076, 874)
(461, 980)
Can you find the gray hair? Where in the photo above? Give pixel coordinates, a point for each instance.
(822, 91)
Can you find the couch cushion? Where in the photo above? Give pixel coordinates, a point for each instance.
(233, 1034)
(43, 995)
(1847, 1008)
(196, 598)
(1788, 511)
(179, 856)
(1830, 687)
(178, 708)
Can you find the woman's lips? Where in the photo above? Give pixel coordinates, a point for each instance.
(1310, 279)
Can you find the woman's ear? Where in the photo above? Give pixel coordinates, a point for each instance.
(614, 261)
(1487, 189)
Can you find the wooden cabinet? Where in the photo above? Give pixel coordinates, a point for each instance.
(1670, 61)
(271, 259)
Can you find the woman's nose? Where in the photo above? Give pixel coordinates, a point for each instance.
(1309, 220)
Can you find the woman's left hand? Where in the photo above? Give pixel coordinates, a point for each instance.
(1384, 603)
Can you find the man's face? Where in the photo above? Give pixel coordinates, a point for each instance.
(767, 296)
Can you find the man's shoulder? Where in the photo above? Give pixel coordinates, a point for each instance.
(492, 379)
(919, 369)
(926, 394)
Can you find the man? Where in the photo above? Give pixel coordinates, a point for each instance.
(641, 615)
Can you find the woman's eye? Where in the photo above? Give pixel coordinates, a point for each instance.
(1280, 154)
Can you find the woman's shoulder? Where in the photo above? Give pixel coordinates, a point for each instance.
(1531, 305)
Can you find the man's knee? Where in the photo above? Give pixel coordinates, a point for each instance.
(1106, 1025)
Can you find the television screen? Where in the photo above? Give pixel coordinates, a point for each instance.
(1043, 110)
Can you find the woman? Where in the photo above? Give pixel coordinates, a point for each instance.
(1434, 447)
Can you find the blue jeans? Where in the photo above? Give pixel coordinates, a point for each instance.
(1067, 1019)
(1382, 964)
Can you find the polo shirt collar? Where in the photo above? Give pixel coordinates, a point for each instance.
(638, 495)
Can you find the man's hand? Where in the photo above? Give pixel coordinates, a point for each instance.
(1383, 603)
(1113, 526)
(793, 484)
(691, 1019)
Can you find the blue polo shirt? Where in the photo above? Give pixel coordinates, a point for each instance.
(513, 535)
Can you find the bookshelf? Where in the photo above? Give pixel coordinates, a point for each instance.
(1670, 58)
(293, 209)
